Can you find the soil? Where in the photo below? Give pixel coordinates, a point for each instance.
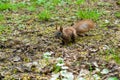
(22, 50)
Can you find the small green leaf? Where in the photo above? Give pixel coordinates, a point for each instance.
(113, 78)
(56, 69)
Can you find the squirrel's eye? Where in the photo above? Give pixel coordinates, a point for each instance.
(60, 33)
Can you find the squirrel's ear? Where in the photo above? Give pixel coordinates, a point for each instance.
(61, 28)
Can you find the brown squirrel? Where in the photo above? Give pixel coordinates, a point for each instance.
(66, 34)
(84, 26)
(70, 33)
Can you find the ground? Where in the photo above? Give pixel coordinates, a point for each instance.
(30, 51)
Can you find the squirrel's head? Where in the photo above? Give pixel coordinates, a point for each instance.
(59, 32)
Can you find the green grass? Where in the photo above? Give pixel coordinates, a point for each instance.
(116, 58)
(5, 1)
(113, 78)
(118, 2)
(4, 6)
(110, 51)
(117, 14)
(21, 5)
(112, 54)
(115, 55)
(55, 2)
(88, 14)
(95, 0)
(80, 1)
(10, 6)
(51, 4)
(4, 29)
(1, 17)
(44, 3)
(38, 2)
(44, 15)
(31, 8)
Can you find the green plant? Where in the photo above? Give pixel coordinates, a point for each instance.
(80, 1)
(5, 1)
(45, 15)
(117, 14)
(110, 51)
(55, 2)
(2, 29)
(88, 14)
(95, 0)
(90, 67)
(49, 6)
(1, 17)
(116, 58)
(31, 8)
(118, 2)
(39, 2)
(20, 5)
(6, 30)
(56, 68)
(10, 6)
(68, 1)
(4, 6)
(112, 54)
(112, 78)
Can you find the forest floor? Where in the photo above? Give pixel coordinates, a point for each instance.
(29, 50)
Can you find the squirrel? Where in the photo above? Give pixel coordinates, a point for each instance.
(84, 26)
(69, 34)
(66, 34)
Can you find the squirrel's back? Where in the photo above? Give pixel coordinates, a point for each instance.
(84, 26)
